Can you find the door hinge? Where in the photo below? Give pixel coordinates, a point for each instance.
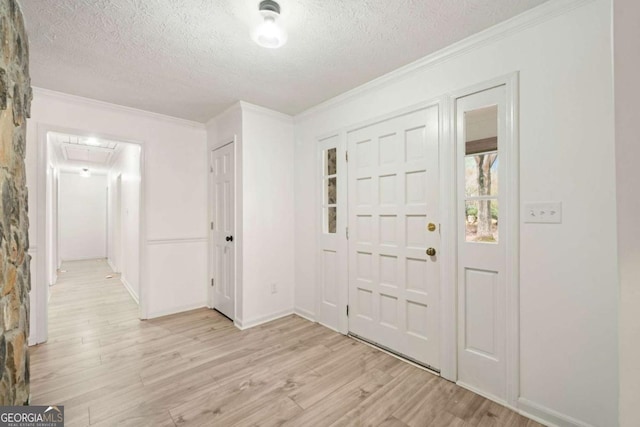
(213, 282)
(212, 225)
(347, 310)
(346, 156)
(347, 232)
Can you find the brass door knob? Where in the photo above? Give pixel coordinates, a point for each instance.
(431, 252)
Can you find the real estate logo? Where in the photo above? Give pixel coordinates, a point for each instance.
(31, 416)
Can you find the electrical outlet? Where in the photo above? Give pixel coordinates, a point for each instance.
(274, 288)
(543, 212)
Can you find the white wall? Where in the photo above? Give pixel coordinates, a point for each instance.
(174, 193)
(83, 216)
(124, 212)
(264, 207)
(627, 93)
(568, 272)
(268, 217)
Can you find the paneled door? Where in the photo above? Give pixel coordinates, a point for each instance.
(222, 230)
(332, 262)
(482, 203)
(394, 285)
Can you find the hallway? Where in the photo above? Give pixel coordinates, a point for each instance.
(109, 368)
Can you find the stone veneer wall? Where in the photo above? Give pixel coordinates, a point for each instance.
(15, 100)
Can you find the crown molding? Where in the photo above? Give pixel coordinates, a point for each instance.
(247, 106)
(37, 92)
(518, 23)
(235, 106)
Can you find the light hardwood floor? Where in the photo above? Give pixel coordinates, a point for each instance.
(109, 368)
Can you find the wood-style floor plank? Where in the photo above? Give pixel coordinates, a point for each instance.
(196, 369)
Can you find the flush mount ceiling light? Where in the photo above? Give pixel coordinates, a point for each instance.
(93, 142)
(270, 33)
(85, 173)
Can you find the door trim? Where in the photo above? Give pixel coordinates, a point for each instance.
(210, 214)
(509, 156)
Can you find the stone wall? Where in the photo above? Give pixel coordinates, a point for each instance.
(15, 100)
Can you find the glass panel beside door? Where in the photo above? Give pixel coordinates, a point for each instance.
(481, 163)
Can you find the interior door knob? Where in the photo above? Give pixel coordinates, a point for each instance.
(431, 252)
(229, 238)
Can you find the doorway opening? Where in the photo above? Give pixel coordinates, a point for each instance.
(92, 224)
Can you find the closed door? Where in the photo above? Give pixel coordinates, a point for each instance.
(394, 285)
(482, 201)
(222, 230)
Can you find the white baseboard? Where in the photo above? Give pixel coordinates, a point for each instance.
(305, 314)
(242, 325)
(175, 310)
(547, 416)
(112, 265)
(526, 408)
(129, 288)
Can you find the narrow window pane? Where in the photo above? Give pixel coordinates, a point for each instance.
(332, 195)
(481, 152)
(481, 175)
(481, 130)
(331, 162)
(481, 221)
(331, 219)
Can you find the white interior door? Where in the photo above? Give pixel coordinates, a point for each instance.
(394, 286)
(223, 229)
(480, 140)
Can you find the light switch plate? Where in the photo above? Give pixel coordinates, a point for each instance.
(543, 212)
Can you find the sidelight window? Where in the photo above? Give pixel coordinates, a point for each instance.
(481, 175)
(330, 190)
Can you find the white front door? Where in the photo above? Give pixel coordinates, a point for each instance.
(481, 142)
(222, 230)
(394, 286)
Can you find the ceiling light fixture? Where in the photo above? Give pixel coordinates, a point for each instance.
(85, 173)
(270, 33)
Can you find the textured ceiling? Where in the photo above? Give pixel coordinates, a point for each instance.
(194, 58)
